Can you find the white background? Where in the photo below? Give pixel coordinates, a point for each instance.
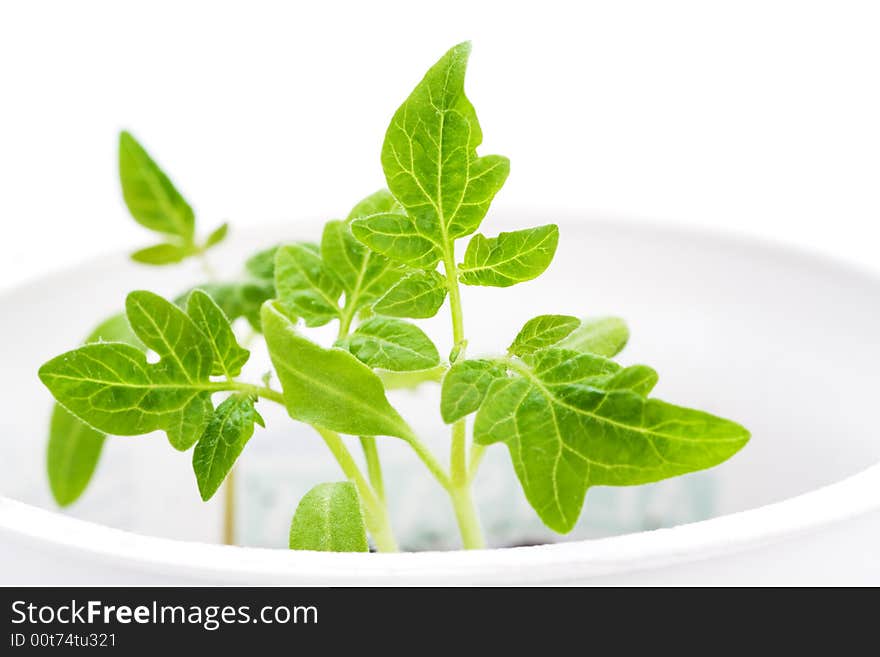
(760, 118)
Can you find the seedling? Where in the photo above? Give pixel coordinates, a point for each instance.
(570, 416)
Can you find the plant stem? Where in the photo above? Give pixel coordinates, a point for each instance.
(229, 509)
(259, 391)
(374, 467)
(466, 515)
(460, 491)
(375, 514)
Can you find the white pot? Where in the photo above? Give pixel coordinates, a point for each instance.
(785, 343)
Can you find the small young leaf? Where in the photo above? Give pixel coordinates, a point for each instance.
(363, 274)
(398, 237)
(465, 386)
(74, 447)
(228, 431)
(328, 388)
(542, 331)
(556, 365)
(229, 356)
(304, 285)
(329, 519)
(605, 336)
(564, 438)
(113, 388)
(392, 344)
(431, 164)
(217, 235)
(150, 196)
(376, 203)
(162, 254)
(419, 296)
(510, 258)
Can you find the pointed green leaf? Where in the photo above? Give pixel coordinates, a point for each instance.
(74, 448)
(564, 438)
(229, 356)
(510, 258)
(398, 237)
(329, 519)
(162, 254)
(230, 428)
(363, 274)
(606, 336)
(419, 296)
(542, 331)
(217, 235)
(430, 160)
(392, 344)
(465, 386)
(113, 388)
(376, 203)
(304, 285)
(150, 196)
(328, 388)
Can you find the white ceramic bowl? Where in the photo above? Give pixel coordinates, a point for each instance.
(783, 342)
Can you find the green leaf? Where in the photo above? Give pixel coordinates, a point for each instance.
(565, 437)
(72, 455)
(328, 388)
(262, 264)
(411, 380)
(74, 448)
(150, 196)
(304, 284)
(398, 237)
(542, 331)
(229, 356)
(510, 258)
(363, 274)
(376, 203)
(217, 235)
(430, 160)
(606, 336)
(162, 254)
(113, 388)
(641, 379)
(236, 299)
(419, 295)
(329, 519)
(230, 428)
(465, 386)
(392, 344)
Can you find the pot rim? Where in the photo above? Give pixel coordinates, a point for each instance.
(851, 497)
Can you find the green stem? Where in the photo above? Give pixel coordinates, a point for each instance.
(460, 492)
(374, 466)
(249, 388)
(375, 514)
(468, 521)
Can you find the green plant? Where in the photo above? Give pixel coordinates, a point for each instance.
(570, 416)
